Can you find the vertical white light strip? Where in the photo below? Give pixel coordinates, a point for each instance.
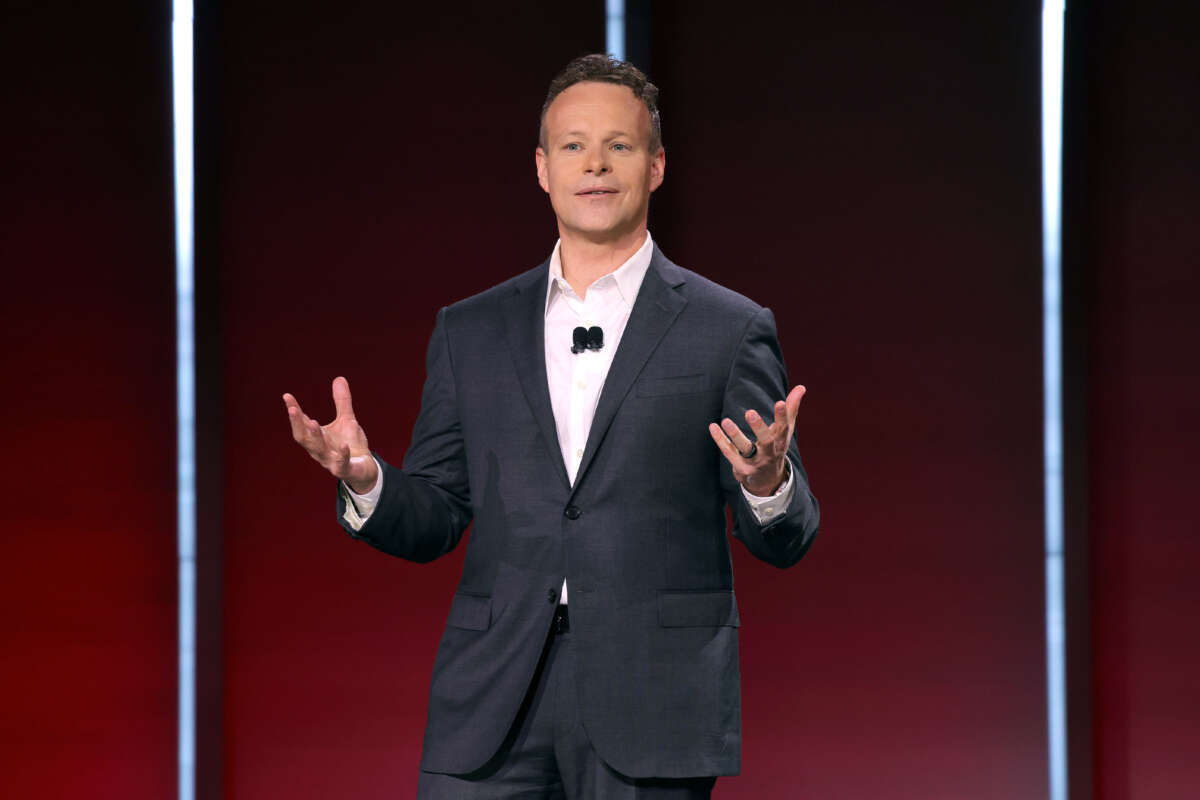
(614, 22)
(1052, 111)
(185, 386)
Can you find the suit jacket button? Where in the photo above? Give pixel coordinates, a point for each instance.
(551, 595)
(572, 512)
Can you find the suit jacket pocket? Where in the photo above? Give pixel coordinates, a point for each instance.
(698, 609)
(471, 611)
(676, 384)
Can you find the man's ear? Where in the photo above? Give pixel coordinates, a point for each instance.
(658, 168)
(539, 157)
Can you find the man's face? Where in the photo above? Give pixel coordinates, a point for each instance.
(596, 163)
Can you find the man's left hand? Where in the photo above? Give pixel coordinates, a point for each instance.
(761, 465)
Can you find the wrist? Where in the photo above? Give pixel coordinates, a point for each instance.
(784, 474)
(365, 483)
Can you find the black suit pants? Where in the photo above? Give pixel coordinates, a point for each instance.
(547, 754)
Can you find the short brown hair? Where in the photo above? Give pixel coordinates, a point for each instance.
(606, 69)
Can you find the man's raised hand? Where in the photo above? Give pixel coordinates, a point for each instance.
(340, 446)
(760, 465)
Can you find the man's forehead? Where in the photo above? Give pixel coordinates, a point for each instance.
(599, 87)
(588, 100)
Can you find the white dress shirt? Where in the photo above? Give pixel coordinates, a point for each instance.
(576, 379)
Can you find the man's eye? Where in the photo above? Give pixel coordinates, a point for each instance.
(572, 146)
(619, 146)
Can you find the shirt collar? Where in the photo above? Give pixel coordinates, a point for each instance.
(628, 276)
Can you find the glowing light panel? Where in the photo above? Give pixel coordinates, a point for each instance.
(614, 22)
(185, 386)
(1053, 12)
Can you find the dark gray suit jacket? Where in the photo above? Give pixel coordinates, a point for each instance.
(640, 538)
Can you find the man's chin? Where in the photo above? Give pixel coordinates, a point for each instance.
(599, 230)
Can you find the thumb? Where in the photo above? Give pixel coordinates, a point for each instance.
(341, 398)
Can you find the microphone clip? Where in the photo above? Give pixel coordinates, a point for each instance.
(586, 339)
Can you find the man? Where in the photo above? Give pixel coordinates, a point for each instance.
(570, 412)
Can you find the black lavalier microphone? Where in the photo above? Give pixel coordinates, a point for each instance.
(586, 339)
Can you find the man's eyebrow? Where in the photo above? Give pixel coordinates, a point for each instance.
(611, 134)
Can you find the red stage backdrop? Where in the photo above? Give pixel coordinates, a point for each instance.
(88, 660)
(1136, 197)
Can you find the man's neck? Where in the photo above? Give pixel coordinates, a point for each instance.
(585, 261)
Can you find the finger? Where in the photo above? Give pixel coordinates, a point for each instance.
(296, 417)
(793, 403)
(292, 405)
(727, 449)
(736, 436)
(761, 432)
(341, 398)
(312, 439)
(780, 425)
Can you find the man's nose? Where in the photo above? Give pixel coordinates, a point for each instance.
(597, 163)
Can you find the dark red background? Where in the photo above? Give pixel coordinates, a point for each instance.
(1135, 205)
(88, 590)
(871, 172)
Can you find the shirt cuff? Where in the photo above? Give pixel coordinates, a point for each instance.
(770, 508)
(359, 507)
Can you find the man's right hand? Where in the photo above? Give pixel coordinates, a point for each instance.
(340, 446)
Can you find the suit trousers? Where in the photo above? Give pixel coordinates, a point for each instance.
(547, 754)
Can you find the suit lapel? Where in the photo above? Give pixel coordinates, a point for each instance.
(654, 311)
(525, 317)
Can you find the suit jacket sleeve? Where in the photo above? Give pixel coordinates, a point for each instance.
(424, 507)
(758, 379)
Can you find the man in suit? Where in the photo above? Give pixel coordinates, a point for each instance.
(571, 413)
